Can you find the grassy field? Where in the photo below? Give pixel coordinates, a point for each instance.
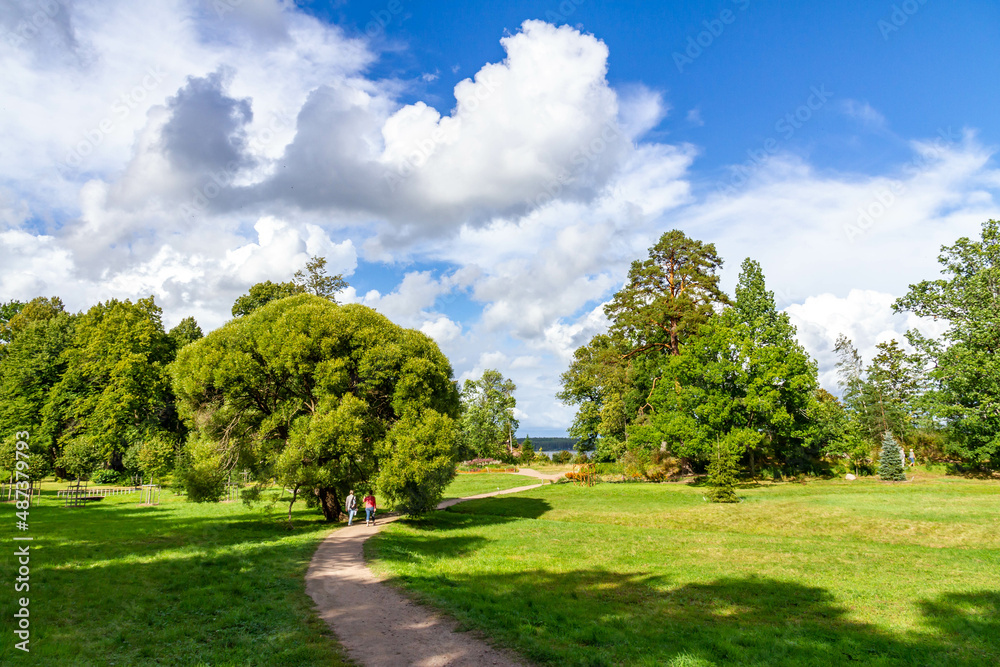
(473, 484)
(180, 584)
(823, 573)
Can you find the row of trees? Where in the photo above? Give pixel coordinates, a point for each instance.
(689, 371)
(109, 389)
(319, 397)
(91, 388)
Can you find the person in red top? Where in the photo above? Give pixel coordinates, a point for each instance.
(369, 509)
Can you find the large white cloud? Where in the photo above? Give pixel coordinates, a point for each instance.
(864, 316)
(189, 148)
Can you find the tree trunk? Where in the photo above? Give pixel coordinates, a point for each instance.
(295, 493)
(330, 502)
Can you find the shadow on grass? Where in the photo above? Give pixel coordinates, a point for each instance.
(592, 617)
(596, 617)
(178, 584)
(501, 509)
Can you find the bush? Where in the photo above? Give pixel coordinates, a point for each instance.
(105, 477)
(562, 457)
(614, 468)
(635, 464)
(201, 473)
(581, 458)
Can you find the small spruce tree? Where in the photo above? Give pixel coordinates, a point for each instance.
(527, 451)
(723, 474)
(890, 465)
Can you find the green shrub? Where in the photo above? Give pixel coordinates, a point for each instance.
(613, 468)
(202, 475)
(562, 457)
(635, 463)
(105, 477)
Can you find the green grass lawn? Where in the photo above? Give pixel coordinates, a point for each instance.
(180, 584)
(823, 573)
(473, 484)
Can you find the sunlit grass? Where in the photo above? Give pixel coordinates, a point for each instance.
(473, 484)
(819, 573)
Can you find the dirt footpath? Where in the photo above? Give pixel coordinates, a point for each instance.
(380, 627)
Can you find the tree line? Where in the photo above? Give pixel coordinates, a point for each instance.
(296, 389)
(689, 374)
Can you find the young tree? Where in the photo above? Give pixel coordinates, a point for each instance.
(965, 377)
(488, 423)
(324, 397)
(723, 471)
(527, 450)
(890, 464)
(894, 379)
(315, 281)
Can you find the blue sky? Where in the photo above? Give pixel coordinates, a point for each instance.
(486, 174)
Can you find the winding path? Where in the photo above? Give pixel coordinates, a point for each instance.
(379, 626)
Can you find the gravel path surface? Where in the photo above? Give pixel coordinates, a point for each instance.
(379, 626)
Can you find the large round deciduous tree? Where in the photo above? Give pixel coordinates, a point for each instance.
(323, 397)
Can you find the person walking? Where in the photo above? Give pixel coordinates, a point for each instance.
(369, 509)
(913, 459)
(351, 505)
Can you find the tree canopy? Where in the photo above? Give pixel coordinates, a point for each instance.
(743, 380)
(323, 397)
(314, 280)
(262, 294)
(89, 387)
(964, 364)
(488, 421)
(667, 296)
